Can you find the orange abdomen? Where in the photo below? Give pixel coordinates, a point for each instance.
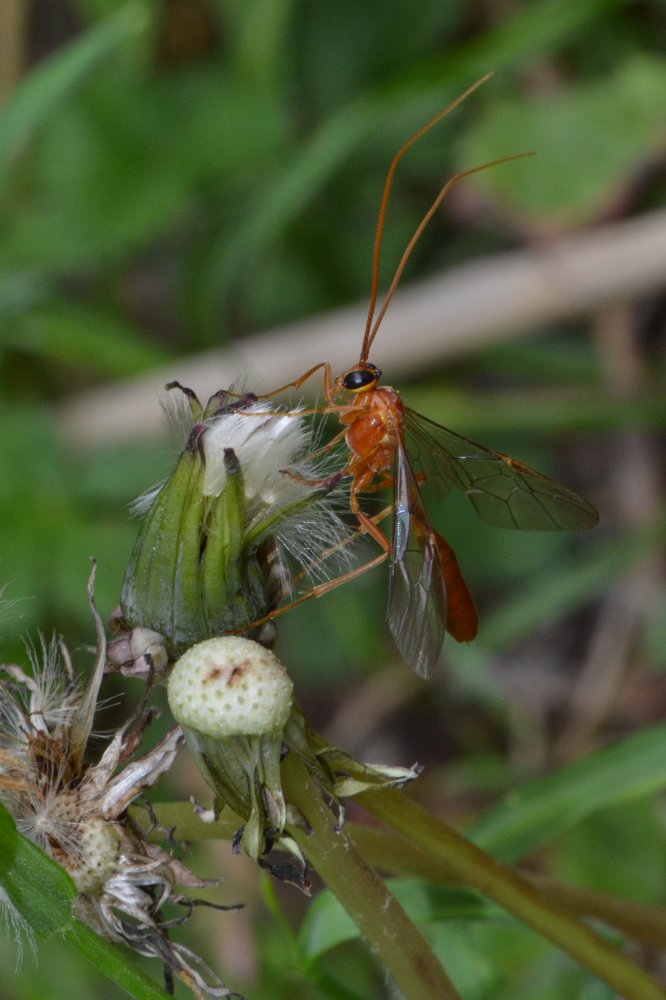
(462, 620)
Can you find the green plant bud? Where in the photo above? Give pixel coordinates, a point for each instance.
(161, 589)
(192, 574)
(211, 556)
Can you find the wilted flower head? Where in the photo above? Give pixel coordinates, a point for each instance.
(226, 532)
(77, 813)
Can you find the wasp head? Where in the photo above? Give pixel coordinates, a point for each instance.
(360, 378)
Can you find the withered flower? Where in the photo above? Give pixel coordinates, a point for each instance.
(77, 812)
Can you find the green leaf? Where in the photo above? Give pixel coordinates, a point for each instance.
(8, 841)
(38, 887)
(113, 963)
(601, 852)
(541, 810)
(591, 140)
(46, 86)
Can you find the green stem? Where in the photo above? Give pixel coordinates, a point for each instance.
(184, 824)
(636, 920)
(364, 895)
(476, 869)
(386, 850)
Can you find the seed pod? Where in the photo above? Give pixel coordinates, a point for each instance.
(233, 698)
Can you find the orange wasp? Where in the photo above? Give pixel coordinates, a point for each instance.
(391, 446)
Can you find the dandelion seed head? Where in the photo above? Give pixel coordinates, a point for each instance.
(50, 814)
(77, 812)
(53, 698)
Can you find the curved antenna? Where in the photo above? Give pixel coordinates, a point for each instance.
(371, 333)
(384, 205)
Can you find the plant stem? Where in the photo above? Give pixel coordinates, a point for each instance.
(386, 850)
(476, 869)
(378, 915)
(637, 920)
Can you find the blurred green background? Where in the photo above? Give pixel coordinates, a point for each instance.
(177, 175)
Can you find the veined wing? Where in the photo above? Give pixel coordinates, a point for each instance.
(416, 612)
(503, 491)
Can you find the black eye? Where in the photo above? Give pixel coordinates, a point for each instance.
(360, 378)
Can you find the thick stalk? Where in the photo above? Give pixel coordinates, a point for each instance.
(387, 851)
(478, 870)
(378, 915)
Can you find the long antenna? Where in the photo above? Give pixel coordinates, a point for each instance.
(372, 332)
(384, 205)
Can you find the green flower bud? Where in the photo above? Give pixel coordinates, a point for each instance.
(211, 555)
(234, 701)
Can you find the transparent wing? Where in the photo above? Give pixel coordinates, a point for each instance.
(416, 612)
(504, 491)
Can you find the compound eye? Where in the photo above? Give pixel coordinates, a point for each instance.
(360, 378)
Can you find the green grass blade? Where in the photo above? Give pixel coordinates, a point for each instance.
(543, 809)
(46, 86)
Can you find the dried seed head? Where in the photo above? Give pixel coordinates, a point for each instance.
(97, 862)
(230, 686)
(77, 812)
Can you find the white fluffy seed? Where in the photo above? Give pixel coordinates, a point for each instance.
(230, 686)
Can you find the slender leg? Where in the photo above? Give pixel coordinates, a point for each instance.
(297, 383)
(323, 588)
(311, 411)
(367, 524)
(318, 591)
(376, 519)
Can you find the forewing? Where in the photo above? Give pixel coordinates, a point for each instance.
(503, 491)
(416, 613)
